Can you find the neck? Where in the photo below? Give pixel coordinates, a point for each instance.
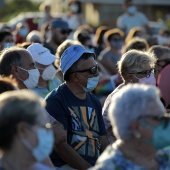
(76, 89)
(42, 83)
(53, 44)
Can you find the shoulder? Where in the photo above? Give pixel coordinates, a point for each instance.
(56, 93)
(122, 17)
(163, 156)
(95, 99)
(107, 160)
(140, 14)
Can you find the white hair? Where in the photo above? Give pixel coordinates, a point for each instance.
(130, 103)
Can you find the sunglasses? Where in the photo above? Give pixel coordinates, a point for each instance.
(146, 72)
(92, 70)
(64, 31)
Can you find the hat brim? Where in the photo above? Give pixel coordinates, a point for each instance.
(46, 59)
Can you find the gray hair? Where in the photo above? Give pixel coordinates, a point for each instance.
(17, 106)
(34, 36)
(135, 61)
(9, 57)
(130, 103)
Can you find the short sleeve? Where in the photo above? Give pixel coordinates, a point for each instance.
(56, 109)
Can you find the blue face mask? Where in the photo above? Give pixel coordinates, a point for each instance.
(131, 10)
(91, 83)
(45, 144)
(161, 137)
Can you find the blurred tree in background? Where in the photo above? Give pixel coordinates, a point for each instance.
(12, 8)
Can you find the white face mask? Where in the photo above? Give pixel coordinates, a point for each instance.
(33, 78)
(45, 144)
(91, 83)
(49, 72)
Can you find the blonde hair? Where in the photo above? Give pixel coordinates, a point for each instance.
(135, 61)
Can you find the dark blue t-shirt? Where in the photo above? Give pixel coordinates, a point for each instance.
(81, 118)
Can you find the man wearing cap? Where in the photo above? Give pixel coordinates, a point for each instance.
(78, 110)
(59, 31)
(44, 61)
(19, 63)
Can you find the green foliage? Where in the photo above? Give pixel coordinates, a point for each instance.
(14, 7)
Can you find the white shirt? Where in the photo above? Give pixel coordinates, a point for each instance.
(126, 21)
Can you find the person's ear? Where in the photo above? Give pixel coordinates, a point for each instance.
(21, 129)
(129, 78)
(14, 70)
(74, 77)
(135, 129)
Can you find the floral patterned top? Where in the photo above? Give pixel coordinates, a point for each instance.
(112, 159)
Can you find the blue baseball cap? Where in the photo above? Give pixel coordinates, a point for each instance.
(71, 55)
(60, 24)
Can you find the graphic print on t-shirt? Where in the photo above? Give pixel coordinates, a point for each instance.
(85, 129)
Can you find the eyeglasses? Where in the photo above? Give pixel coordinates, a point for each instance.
(92, 70)
(146, 72)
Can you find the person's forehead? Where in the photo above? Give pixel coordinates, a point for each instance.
(90, 62)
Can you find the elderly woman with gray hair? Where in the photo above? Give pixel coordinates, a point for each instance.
(142, 130)
(134, 67)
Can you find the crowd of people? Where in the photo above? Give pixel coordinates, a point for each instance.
(75, 97)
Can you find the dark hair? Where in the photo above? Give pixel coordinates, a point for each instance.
(159, 50)
(133, 33)
(7, 84)
(115, 31)
(127, 1)
(74, 67)
(3, 34)
(10, 57)
(75, 2)
(137, 44)
(99, 34)
(82, 36)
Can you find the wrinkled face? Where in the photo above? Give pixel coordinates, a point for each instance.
(27, 64)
